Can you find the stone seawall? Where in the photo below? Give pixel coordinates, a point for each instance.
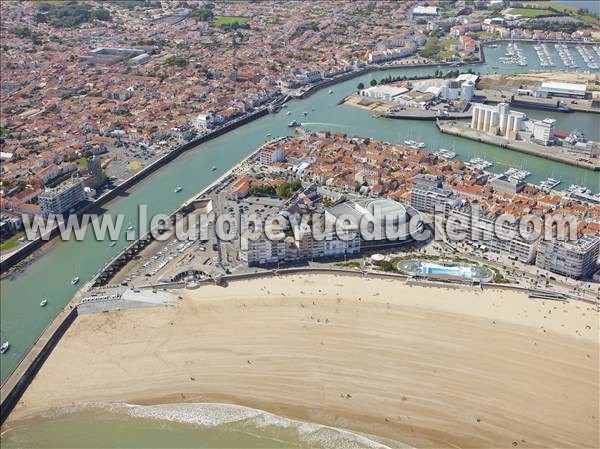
(12, 390)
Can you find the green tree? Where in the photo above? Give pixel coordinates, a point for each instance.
(373, 82)
(360, 86)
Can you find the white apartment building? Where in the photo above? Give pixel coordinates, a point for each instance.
(63, 198)
(271, 154)
(575, 259)
(484, 232)
(497, 119)
(429, 199)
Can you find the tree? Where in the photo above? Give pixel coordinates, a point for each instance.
(101, 14)
(360, 86)
(373, 82)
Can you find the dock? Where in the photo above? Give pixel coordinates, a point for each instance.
(550, 153)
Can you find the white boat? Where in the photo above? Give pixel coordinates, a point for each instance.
(305, 113)
(5, 346)
(44, 302)
(130, 227)
(410, 143)
(75, 280)
(213, 168)
(289, 112)
(330, 91)
(420, 144)
(443, 153)
(112, 244)
(178, 189)
(268, 135)
(293, 124)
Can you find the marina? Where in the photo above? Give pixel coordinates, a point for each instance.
(479, 163)
(549, 184)
(514, 55)
(20, 298)
(517, 174)
(445, 154)
(414, 144)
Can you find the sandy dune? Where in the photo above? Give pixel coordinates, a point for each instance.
(430, 367)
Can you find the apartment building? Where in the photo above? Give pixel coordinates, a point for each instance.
(497, 237)
(268, 155)
(576, 259)
(430, 199)
(63, 198)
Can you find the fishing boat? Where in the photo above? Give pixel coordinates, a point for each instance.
(44, 302)
(75, 280)
(5, 346)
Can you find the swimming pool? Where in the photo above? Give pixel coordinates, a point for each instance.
(433, 269)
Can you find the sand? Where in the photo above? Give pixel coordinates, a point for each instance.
(431, 367)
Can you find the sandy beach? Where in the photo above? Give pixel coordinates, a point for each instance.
(429, 367)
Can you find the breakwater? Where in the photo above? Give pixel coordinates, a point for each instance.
(12, 390)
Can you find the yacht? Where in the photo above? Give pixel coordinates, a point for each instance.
(4, 347)
(75, 280)
(44, 302)
(549, 184)
(178, 189)
(293, 124)
(445, 154)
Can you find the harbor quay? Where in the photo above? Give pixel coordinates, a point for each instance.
(461, 129)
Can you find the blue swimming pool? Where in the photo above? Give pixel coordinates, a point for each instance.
(462, 272)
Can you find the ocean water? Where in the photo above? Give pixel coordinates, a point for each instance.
(177, 426)
(21, 318)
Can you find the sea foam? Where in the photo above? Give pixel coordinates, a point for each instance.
(253, 421)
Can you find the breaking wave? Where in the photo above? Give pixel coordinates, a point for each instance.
(255, 422)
